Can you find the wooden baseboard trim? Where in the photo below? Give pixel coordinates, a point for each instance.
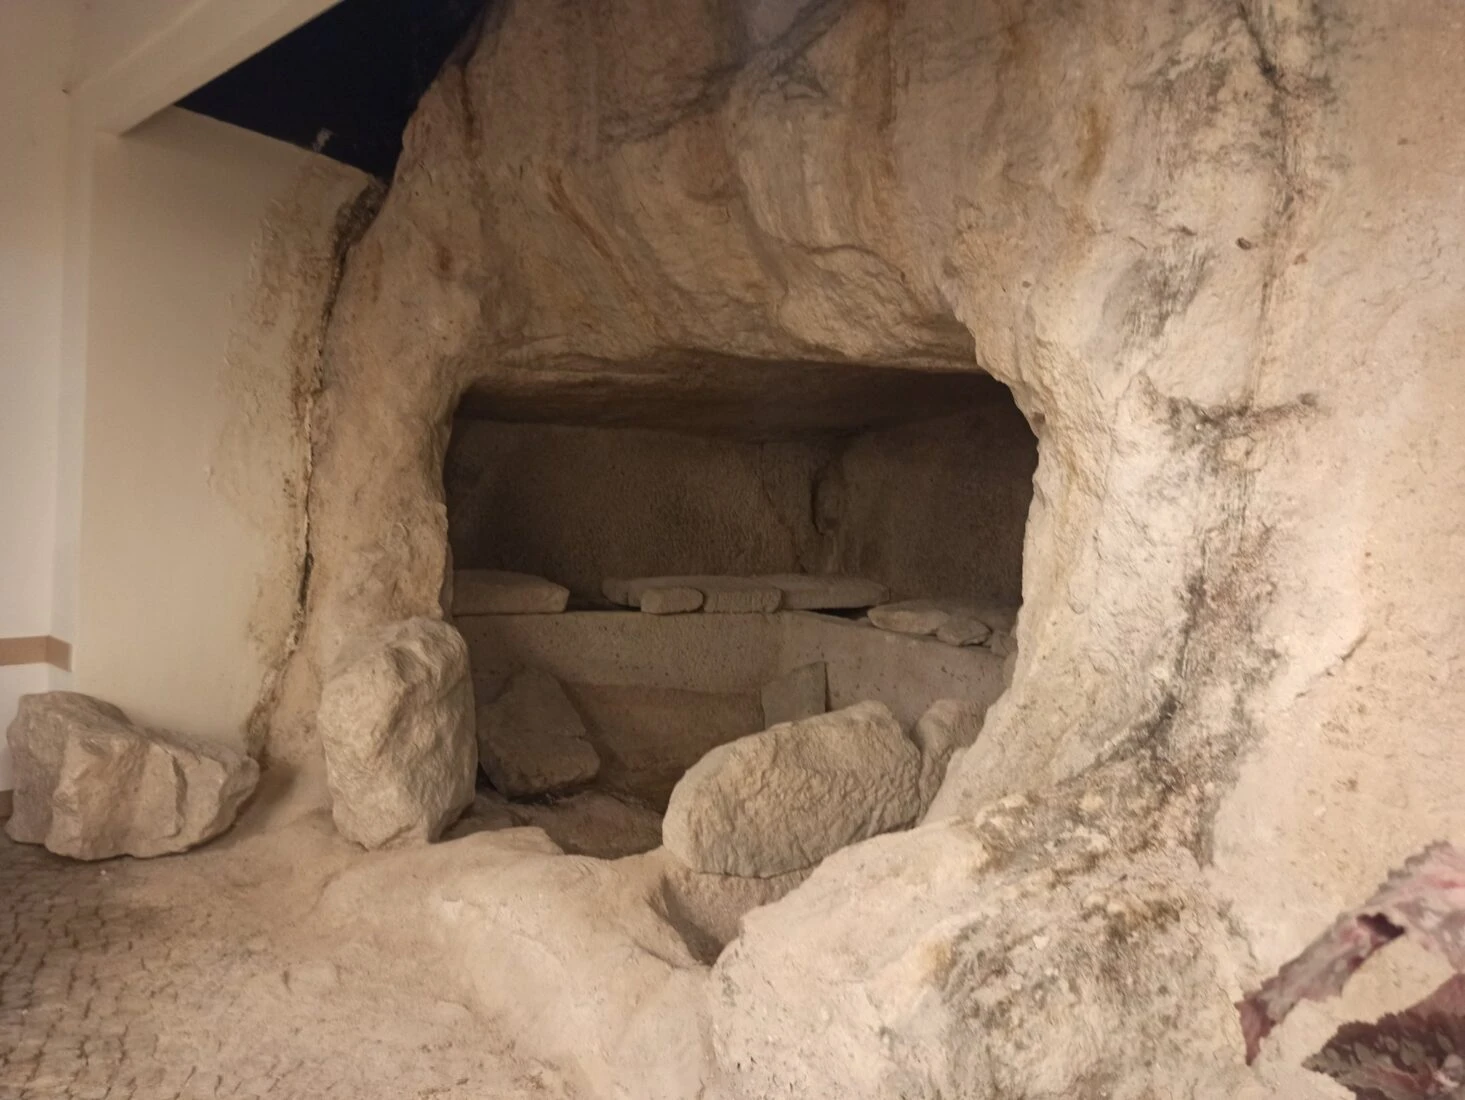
(42, 650)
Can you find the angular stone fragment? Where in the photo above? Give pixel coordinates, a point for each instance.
(496, 592)
(91, 785)
(396, 724)
(532, 741)
(783, 799)
(799, 694)
(735, 595)
(826, 592)
(670, 601)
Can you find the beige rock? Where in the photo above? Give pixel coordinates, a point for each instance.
(670, 600)
(826, 592)
(531, 740)
(952, 621)
(734, 595)
(948, 725)
(496, 592)
(911, 616)
(802, 693)
(782, 800)
(397, 726)
(91, 785)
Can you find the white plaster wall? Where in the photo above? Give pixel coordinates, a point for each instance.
(209, 248)
(34, 46)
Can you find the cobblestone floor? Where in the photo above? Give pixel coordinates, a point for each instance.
(201, 976)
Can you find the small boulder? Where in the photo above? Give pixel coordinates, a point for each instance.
(951, 621)
(802, 693)
(532, 741)
(782, 800)
(396, 724)
(947, 725)
(91, 785)
(496, 592)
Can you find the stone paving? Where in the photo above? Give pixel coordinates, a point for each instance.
(201, 976)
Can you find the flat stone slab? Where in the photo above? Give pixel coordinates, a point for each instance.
(90, 784)
(799, 694)
(497, 592)
(782, 800)
(531, 740)
(951, 621)
(826, 592)
(720, 595)
(671, 601)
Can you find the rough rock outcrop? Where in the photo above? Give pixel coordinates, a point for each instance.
(397, 726)
(91, 785)
(1215, 251)
(782, 800)
(531, 740)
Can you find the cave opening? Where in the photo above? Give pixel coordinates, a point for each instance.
(650, 561)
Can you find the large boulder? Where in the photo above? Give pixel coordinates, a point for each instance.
(92, 785)
(397, 726)
(531, 740)
(782, 800)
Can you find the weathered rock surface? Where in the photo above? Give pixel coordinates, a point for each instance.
(397, 725)
(497, 592)
(531, 740)
(782, 800)
(948, 726)
(801, 693)
(826, 592)
(91, 785)
(1216, 253)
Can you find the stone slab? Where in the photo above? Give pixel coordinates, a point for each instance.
(720, 595)
(826, 592)
(497, 592)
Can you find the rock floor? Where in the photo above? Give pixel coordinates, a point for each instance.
(207, 975)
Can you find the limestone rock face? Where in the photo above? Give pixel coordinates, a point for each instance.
(397, 726)
(531, 740)
(782, 800)
(91, 785)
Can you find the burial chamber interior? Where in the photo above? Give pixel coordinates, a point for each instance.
(916, 481)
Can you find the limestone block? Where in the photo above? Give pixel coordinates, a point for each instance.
(782, 800)
(799, 694)
(670, 600)
(396, 724)
(826, 592)
(734, 595)
(496, 592)
(532, 741)
(91, 785)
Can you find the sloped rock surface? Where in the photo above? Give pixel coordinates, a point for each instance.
(782, 800)
(531, 740)
(91, 785)
(397, 726)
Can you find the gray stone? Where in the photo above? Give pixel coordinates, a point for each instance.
(496, 592)
(91, 785)
(802, 693)
(826, 592)
(532, 741)
(782, 800)
(396, 725)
